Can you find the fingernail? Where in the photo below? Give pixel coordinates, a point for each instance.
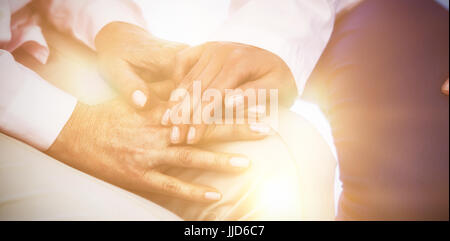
(191, 135)
(257, 110)
(175, 136)
(214, 196)
(240, 162)
(139, 98)
(260, 128)
(166, 118)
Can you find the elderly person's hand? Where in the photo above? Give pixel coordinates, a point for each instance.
(136, 63)
(226, 65)
(114, 143)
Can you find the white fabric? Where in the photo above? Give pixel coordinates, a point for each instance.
(34, 187)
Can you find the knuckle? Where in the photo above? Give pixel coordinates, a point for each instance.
(129, 154)
(194, 192)
(237, 54)
(184, 157)
(220, 161)
(171, 187)
(154, 159)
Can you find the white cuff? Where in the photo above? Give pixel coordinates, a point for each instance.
(33, 110)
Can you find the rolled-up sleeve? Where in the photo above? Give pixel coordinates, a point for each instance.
(31, 109)
(85, 18)
(296, 30)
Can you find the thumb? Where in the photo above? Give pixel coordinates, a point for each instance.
(131, 87)
(229, 133)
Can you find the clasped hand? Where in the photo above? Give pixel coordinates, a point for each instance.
(125, 144)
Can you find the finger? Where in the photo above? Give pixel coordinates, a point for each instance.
(155, 114)
(178, 134)
(178, 117)
(156, 59)
(283, 85)
(228, 78)
(217, 79)
(187, 81)
(205, 79)
(195, 134)
(194, 158)
(131, 86)
(181, 93)
(445, 88)
(196, 131)
(200, 84)
(149, 75)
(185, 61)
(228, 133)
(267, 94)
(202, 71)
(257, 100)
(175, 188)
(162, 88)
(203, 134)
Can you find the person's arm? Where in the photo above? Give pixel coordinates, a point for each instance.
(84, 19)
(31, 109)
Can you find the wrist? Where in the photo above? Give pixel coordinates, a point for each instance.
(69, 138)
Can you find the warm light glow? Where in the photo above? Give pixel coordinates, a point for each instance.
(277, 198)
(276, 192)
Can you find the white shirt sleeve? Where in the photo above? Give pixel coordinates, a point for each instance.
(296, 30)
(31, 109)
(85, 18)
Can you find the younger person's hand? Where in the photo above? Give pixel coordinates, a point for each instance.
(225, 65)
